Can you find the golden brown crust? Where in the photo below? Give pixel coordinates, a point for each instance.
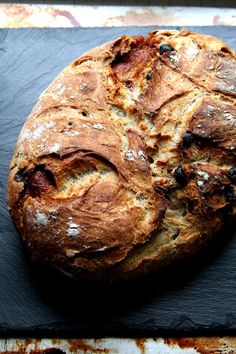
(215, 121)
(127, 161)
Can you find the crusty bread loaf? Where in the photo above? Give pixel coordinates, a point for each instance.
(127, 161)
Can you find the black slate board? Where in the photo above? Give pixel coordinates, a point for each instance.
(197, 298)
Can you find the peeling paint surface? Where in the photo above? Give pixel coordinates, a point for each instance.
(23, 15)
(226, 345)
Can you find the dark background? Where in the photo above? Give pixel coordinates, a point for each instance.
(199, 297)
(207, 3)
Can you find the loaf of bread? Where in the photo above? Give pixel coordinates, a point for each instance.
(127, 161)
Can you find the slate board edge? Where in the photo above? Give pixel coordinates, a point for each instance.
(55, 328)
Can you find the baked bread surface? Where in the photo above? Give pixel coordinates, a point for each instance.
(127, 161)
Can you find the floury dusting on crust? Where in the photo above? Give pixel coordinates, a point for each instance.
(132, 155)
(99, 126)
(37, 132)
(203, 174)
(54, 148)
(73, 228)
(41, 218)
(192, 52)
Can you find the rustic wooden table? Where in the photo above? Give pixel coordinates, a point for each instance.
(23, 15)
